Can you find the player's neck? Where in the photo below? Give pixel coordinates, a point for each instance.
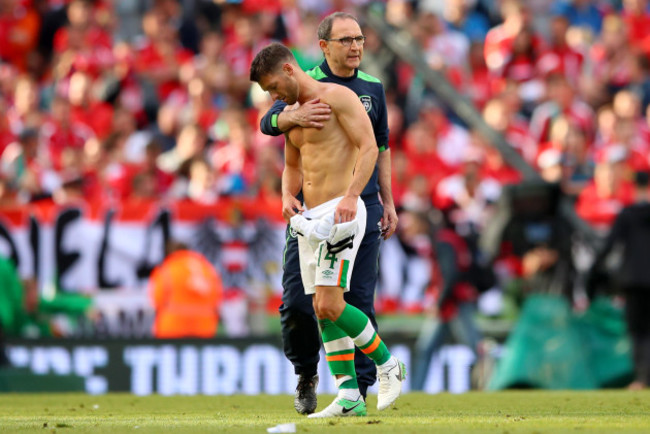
(309, 89)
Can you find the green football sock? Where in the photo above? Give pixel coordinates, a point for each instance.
(358, 326)
(339, 352)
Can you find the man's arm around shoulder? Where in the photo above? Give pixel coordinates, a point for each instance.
(281, 118)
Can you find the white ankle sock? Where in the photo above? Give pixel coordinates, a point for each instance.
(388, 364)
(340, 380)
(349, 394)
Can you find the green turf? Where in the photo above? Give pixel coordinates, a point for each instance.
(502, 412)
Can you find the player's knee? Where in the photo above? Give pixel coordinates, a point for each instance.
(325, 309)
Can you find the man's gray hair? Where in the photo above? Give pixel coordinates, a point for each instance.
(325, 26)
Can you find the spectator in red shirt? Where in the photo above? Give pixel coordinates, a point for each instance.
(185, 26)
(131, 95)
(82, 44)
(19, 30)
(601, 201)
(451, 139)
(395, 121)
(161, 57)
(626, 136)
(80, 17)
(240, 51)
(149, 166)
(559, 56)
(400, 174)
(612, 62)
(200, 108)
(417, 196)
(86, 109)
(420, 148)
(469, 194)
(521, 65)
(515, 130)
(135, 141)
(636, 17)
(233, 156)
(494, 166)
(61, 131)
(627, 106)
(562, 101)
(605, 123)
(107, 177)
(500, 40)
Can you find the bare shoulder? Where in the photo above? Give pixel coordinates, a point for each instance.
(336, 94)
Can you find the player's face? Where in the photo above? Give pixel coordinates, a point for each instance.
(340, 57)
(281, 86)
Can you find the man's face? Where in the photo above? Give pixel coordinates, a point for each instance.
(281, 85)
(338, 55)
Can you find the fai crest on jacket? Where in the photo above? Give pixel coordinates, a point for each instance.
(366, 100)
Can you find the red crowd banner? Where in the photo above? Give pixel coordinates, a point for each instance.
(85, 247)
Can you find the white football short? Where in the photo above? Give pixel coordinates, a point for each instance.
(320, 267)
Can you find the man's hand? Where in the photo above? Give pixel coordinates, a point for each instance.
(346, 210)
(388, 221)
(312, 114)
(289, 206)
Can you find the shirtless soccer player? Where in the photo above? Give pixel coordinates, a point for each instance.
(331, 165)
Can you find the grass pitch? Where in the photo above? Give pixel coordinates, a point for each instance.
(499, 412)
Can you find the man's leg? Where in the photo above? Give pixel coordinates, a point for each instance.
(339, 350)
(391, 372)
(300, 334)
(362, 290)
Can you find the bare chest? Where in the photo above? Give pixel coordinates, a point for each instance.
(302, 136)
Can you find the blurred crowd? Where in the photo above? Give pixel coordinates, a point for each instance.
(112, 100)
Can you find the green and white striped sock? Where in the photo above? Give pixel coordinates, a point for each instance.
(339, 353)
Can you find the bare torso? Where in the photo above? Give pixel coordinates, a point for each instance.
(327, 156)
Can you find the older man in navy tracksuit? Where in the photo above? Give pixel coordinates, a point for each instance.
(342, 43)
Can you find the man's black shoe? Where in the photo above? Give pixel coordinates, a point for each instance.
(306, 400)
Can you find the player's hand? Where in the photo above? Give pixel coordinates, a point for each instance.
(346, 210)
(290, 207)
(388, 221)
(312, 114)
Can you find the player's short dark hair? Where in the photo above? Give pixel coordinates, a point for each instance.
(325, 26)
(269, 59)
